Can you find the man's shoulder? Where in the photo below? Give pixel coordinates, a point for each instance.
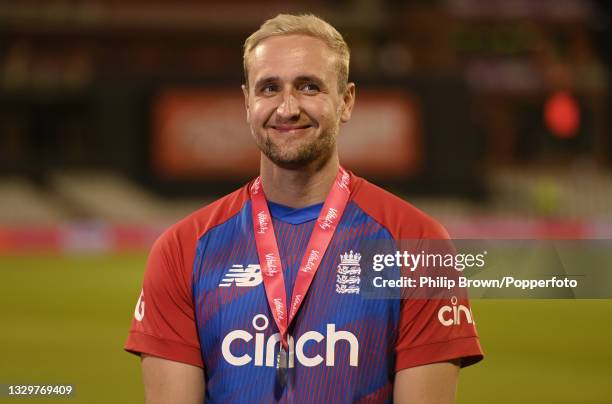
(401, 218)
(196, 224)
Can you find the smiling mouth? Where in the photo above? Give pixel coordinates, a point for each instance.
(289, 128)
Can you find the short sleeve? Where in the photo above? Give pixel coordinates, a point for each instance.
(436, 330)
(435, 325)
(436, 322)
(164, 321)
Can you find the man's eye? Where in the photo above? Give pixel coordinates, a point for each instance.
(269, 89)
(310, 88)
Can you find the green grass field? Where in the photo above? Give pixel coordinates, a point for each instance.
(65, 319)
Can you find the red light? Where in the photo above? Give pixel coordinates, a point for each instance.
(562, 114)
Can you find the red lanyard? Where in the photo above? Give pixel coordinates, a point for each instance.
(269, 257)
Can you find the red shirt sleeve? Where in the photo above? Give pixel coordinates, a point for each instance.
(436, 323)
(164, 322)
(436, 330)
(431, 330)
(164, 319)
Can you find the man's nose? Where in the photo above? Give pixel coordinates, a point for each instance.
(289, 106)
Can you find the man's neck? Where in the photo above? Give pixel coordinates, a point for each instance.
(300, 187)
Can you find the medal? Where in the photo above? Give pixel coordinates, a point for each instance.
(271, 266)
(282, 362)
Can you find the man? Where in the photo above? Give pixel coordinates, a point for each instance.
(243, 300)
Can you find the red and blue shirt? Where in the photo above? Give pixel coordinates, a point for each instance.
(203, 303)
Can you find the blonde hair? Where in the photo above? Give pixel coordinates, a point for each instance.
(305, 24)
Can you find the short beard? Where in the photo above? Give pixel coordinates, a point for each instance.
(318, 151)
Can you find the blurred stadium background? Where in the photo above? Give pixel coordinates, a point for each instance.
(119, 117)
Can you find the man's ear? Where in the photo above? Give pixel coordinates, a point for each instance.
(245, 92)
(349, 101)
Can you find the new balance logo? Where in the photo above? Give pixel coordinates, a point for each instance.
(242, 277)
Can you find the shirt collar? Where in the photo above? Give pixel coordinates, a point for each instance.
(294, 215)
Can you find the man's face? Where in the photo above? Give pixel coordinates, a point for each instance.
(293, 105)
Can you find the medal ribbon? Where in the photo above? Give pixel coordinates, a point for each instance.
(269, 257)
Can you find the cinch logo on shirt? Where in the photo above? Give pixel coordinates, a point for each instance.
(452, 315)
(242, 277)
(264, 350)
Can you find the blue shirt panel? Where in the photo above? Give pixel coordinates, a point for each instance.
(240, 315)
